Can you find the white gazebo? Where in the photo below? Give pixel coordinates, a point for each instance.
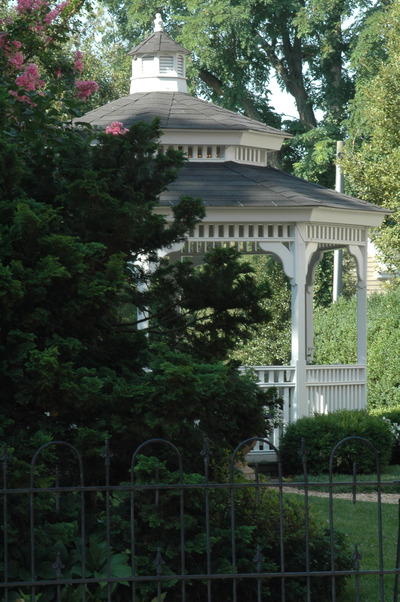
(256, 208)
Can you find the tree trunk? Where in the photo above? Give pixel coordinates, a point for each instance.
(290, 70)
(216, 84)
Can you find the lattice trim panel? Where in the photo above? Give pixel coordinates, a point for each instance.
(326, 234)
(240, 232)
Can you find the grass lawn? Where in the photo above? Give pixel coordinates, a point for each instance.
(359, 523)
(390, 480)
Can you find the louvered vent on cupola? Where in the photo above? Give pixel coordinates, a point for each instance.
(166, 64)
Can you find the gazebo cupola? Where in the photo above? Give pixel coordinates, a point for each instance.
(158, 63)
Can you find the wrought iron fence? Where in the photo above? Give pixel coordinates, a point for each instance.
(167, 534)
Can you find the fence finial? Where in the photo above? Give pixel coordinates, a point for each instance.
(158, 561)
(206, 451)
(107, 454)
(4, 457)
(258, 559)
(303, 451)
(58, 565)
(356, 557)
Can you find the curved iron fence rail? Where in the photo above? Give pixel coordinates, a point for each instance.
(46, 577)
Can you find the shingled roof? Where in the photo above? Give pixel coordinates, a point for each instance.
(177, 110)
(231, 184)
(157, 42)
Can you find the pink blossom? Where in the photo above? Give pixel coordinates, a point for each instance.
(29, 80)
(58, 73)
(53, 14)
(17, 60)
(78, 61)
(84, 89)
(22, 97)
(116, 128)
(24, 6)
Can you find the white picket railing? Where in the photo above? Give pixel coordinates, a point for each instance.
(328, 388)
(283, 379)
(337, 387)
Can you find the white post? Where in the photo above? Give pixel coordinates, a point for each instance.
(313, 256)
(360, 255)
(299, 351)
(362, 320)
(362, 308)
(149, 267)
(338, 253)
(309, 316)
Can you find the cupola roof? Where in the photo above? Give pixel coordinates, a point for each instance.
(157, 42)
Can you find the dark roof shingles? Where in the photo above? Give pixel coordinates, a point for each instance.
(158, 42)
(177, 110)
(231, 184)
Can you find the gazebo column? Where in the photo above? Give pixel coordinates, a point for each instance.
(149, 267)
(360, 255)
(295, 265)
(299, 330)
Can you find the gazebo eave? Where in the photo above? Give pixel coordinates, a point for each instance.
(316, 215)
(266, 141)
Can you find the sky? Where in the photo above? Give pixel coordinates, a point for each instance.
(282, 102)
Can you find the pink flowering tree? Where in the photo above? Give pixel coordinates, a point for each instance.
(36, 70)
(116, 128)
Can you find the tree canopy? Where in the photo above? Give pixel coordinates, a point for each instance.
(372, 159)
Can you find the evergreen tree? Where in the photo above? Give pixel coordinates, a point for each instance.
(76, 213)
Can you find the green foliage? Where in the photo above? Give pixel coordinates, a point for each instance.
(270, 342)
(392, 416)
(383, 360)
(256, 524)
(335, 333)
(238, 46)
(335, 341)
(220, 299)
(105, 55)
(311, 155)
(157, 534)
(322, 432)
(371, 161)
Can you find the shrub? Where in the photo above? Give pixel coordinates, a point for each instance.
(322, 432)
(335, 341)
(157, 531)
(257, 525)
(392, 417)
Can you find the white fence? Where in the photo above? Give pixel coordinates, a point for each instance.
(338, 387)
(328, 388)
